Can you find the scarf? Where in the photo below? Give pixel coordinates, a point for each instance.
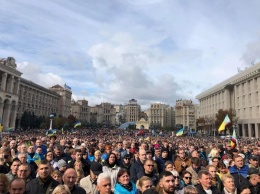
(128, 186)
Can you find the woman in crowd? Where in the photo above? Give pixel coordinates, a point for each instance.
(186, 177)
(61, 189)
(97, 156)
(245, 190)
(144, 183)
(4, 183)
(124, 185)
(190, 189)
(168, 166)
(111, 167)
(222, 170)
(49, 158)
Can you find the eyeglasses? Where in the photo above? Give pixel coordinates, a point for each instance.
(150, 165)
(176, 177)
(127, 158)
(187, 177)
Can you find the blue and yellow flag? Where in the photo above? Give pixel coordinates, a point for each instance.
(10, 129)
(77, 124)
(51, 132)
(180, 132)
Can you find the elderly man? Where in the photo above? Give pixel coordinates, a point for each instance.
(17, 186)
(253, 181)
(69, 179)
(229, 184)
(24, 171)
(205, 185)
(89, 183)
(149, 171)
(137, 167)
(104, 184)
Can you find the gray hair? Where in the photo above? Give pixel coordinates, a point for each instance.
(102, 176)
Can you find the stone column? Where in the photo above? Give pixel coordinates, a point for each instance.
(14, 112)
(249, 130)
(1, 111)
(17, 86)
(7, 109)
(256, 130)
(10, 84)
(3, 84)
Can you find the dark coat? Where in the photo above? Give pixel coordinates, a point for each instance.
(37, 186)
(77, 190)
(202, 191)
(153, 176)
(135, 169)
(254, 189)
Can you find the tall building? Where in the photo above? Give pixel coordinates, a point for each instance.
(104, 114)
(132, 111)
(240, 92)
(185, 114)
(9, 92)
(160, 115)
(80, 110)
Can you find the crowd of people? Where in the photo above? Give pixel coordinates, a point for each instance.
(116, 161)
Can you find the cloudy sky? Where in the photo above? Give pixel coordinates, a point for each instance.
(116, 50)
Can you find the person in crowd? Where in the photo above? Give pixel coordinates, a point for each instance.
(157, 159)
(216, 181)
(107, 151)
(80, 175)
(253, 181)
(97, 156)
(78, 158)
(229, 184)
(143, 184)
(177, 184)
(91, 152)
(61, 189)
(49, 157)
(59, 154)
(149, 155)
(39, 144)
(124, 185)
(4, 182)
(104, 184)
(182, 162)
(89, 183)
(24, 171)
(32, 157)
(149, 171)
(205, 183)
(17, 186)
(194, 169)
(61, 166)
(5, 159)
(120, 149)
(190, 189)
(69, 178)
(126, 162)
(239, 171)
(253, 161)
(246, 152)
(137, 167)
(57, 176)
(215, 162)
(111, 167)
(166, 183)
(186, 177)
(168, 166)
(245, 190)
(165, 156)
(44, 183)
(13, 169)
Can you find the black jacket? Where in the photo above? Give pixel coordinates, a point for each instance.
(77, 190)
(37, 186)
(202, 191)
(253, 189)
(135, 169)
(153, 176)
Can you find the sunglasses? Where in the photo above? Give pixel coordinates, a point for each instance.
(150, 165)
(187, 177)
(176, 177)
(127, 158)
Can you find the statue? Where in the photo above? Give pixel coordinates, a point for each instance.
(10, 62)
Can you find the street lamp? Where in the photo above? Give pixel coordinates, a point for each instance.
(51, 118)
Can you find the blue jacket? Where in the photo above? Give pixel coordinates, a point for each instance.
(121, 190)
(243, 171)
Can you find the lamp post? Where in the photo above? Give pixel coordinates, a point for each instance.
(51, 118)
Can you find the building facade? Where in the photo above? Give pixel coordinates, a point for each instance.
(80, 110)
(132, 111)
(185, 114)
(9, 92)
(241, 92)
(104, 114)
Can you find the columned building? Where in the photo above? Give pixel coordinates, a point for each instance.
(104, 114)
(241, 92)
(9, 92)
(132, 111)
(80, 110)
(185, 114)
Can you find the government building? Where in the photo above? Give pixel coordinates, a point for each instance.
(240, 92)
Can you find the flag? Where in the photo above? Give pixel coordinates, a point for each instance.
(147, 138)
(119, 137)
(77, 124)
(51, 132)
(180, 132)
(233, 142)
(10, 129)
(224, 124)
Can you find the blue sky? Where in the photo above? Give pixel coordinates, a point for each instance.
(116, 50)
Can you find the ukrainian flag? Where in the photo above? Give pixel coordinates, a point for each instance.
(10, 129)
(180, 132)
(51, 132)
(77, 124)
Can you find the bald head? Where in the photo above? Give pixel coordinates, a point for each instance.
(17, 186)
(69, 177)
(142, 155)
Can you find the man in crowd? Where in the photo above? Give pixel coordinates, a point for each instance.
(44, 183)
(181, 162)
(138, 165)
(69, 179)
(253, 162)
(59, 154)
(79, 158)
(17, 186)
(205, 186)
(24, 171)
(253, 181)
(166, 183)
(149, 171)
(13, 169)
(120, 149)
(194, 169)
(126, 162)
(239, 171)
(104, 184)
(157, 159)
(38, 144)
(89, 183)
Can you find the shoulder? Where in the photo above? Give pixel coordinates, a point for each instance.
(80, 190)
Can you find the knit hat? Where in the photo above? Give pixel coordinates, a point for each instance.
(61, 163)
(164, 149)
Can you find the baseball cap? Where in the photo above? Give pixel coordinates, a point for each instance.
(96, 168)
(253, 171)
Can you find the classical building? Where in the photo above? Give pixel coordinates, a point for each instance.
(9, 92)
(80, 110)
(185, 114)
(132, 111)
(160, 114)
(240, 92)
(104, 114)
